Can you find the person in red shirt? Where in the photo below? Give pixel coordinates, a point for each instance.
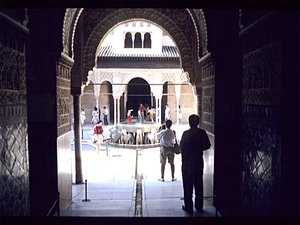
(98, 130)
(129, 115)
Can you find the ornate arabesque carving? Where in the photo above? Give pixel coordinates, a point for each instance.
(261, 75)
(14, 165)
(261, 153)
(63, 73)
(201, 29)
(68, 20)
(208, 87)
(121, 78)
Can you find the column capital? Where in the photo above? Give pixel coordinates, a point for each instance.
(116, 96)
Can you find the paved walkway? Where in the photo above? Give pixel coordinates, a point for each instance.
(111, 183)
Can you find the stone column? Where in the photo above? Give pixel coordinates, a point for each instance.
(177, 110)
(159, 114)
(177, 92)
(118, 110)
(77, 138)
(115, 111)
(96, 89)
(151, 99)
(156, 107)
(125, 100)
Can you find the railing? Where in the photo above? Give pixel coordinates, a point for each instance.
(57, 201)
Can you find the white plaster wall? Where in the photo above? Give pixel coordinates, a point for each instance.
(64, 168)
(117, 36)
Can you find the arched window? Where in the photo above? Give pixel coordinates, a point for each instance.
(137, 40)
(128, 40)
(147, 40)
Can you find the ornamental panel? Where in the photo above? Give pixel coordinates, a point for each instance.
(260, 160)
(14, 161)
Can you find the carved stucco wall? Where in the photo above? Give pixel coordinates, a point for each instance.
(14, 164)
(208, 93)
(122, 77)
(261, 153)
(63, 76)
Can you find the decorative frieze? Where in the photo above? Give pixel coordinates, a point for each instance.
(12, 67)
(261, 75)
(67, 29)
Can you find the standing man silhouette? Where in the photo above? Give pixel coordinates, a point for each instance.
(193, 142)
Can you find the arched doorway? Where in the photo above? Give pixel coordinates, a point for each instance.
(138, 92)
(189, 64)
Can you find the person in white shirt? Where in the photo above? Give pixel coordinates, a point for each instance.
(167, 112)
(105, 115)
(166, 136)
(82, 117)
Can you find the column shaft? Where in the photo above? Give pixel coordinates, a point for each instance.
(77, 136)
(115, 112)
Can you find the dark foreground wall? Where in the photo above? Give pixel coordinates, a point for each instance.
(14, 166)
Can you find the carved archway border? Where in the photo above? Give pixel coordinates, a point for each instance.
(72, 15)
(199, 21)
(70, 22)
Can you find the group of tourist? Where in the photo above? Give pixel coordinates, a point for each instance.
(96, 115)
(151, 113)
(193, 142)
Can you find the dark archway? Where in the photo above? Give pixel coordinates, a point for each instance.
(138, 92)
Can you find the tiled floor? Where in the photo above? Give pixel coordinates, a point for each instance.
(111, 184)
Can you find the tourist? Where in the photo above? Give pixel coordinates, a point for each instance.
(166, 137)
(105, 113)
(167, 112)
(152, 114)
(142, 111)
(179, 114)
(147, 113)
(82, 117)
(129, 115)
(95, 116)
(193, 142)
(98, 130)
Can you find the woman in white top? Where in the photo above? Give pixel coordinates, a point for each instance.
(95, 116)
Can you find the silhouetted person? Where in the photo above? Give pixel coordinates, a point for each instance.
(193, 142)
